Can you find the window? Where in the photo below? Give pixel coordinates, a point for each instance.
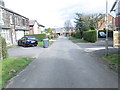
(118, 11)
(118, 28)
(5, 34)
(11, 19)
(23, 21)
(27, 22)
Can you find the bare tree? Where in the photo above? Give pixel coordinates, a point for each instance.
(68, 25)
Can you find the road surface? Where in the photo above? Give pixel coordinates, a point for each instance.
(65, 65)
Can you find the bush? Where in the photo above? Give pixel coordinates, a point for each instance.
(40, 37)
(78, 35)
(90, 36)
(3, 48)
(73, 34)
(49, 37)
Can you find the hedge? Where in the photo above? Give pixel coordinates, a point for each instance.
(77, 34)
(40, 37)
(90, 36)
(3, 48)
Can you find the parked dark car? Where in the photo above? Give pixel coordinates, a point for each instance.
(28, 41)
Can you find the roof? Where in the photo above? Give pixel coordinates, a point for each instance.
(114, 5)
(32, 22)
(12, 12)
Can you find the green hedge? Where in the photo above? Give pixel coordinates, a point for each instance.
(90, 36)
(40, 37)
(77, 34)
(3, 48)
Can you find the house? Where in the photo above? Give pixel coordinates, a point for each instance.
(116, 8)
(116, 34)
(2, 3)
(102, 22)
(13, 26)
(59, 31)
(35, 27)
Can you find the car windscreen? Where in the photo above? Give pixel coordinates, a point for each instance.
(31, 38)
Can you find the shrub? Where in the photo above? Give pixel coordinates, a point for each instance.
(3, 48)
(55, 36)
(90, 36)
(78, 35)
(49, 37)
(73, 34)
(40, 37)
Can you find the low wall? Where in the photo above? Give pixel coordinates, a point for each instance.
(116, 38)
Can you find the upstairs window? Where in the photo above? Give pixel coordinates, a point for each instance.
(11, 20)
(23, 21)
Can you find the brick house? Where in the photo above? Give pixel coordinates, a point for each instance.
(35, 27)
(116, 8)
(102, 23)
(13, 26)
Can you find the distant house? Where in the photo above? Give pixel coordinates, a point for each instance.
(102, 22)
(13, 26)
(116, 8)
(35, 27)
(2, 3)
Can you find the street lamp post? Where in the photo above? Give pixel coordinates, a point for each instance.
(106, 46)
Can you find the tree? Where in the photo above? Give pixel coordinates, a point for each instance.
(49, 30)
(68, 25)
(3, 48)
(81, 22)
(86, 22)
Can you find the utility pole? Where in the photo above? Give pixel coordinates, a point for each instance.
(106, 46)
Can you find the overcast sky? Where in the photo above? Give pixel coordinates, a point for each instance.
(53, 13)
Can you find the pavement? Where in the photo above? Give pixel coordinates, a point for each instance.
(65, 65)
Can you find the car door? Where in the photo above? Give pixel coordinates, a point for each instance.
(21, 41)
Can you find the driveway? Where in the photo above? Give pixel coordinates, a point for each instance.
(19, 51)
(65, 65)
(98, 48)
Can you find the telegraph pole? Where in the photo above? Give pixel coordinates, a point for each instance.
(106, 46)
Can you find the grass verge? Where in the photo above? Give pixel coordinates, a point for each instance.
(77, 40)
(72, 38)
(8, 47)
(10, 67)
(113, 60)
(81, 41)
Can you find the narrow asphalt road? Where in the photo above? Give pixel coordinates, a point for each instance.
(65, 65)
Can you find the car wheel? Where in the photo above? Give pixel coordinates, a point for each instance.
(35, 45)
(18, 43)
(24, 45)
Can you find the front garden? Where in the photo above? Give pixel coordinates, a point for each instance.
(10, 67)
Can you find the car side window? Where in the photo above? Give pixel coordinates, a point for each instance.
(23, 38)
